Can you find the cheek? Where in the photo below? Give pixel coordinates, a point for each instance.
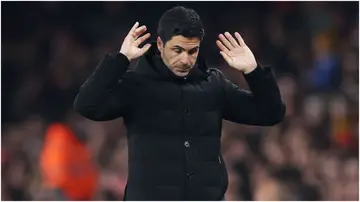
(194, 58)
(166, 57)
(174, 59)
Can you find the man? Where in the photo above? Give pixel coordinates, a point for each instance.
(173, 106)
(66, 165)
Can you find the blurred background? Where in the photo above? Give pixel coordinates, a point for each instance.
(48, 49)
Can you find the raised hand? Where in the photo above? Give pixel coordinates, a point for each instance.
(130, 47)
(236, 53)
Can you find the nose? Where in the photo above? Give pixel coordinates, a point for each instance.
(185, 58)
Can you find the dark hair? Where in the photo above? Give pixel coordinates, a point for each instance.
(180, 21)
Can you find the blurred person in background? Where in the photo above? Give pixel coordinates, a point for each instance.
(67, 165)
(173, 105)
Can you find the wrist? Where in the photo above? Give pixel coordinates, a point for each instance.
(121, 52)
(249, 70)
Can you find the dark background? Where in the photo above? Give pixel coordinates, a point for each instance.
(50, 48)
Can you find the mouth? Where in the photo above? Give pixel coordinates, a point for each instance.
(184, 70)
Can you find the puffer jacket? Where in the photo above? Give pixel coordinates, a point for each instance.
(174, 123)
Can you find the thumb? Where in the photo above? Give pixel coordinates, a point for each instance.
(144, 49)
(226, 57)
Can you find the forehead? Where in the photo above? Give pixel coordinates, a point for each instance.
(186, 43)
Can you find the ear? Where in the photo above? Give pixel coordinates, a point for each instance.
(160, 44)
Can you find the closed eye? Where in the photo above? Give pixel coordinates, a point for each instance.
(194, 50)
(178, 50)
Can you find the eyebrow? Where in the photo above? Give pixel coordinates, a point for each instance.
(176, 46)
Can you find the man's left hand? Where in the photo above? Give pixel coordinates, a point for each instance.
(236, 53)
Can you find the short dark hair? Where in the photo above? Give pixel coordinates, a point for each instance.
(180, 21)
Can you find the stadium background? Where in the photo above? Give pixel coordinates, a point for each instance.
(49, 49)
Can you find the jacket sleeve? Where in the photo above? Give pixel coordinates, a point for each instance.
(104, 95)
(262, 106)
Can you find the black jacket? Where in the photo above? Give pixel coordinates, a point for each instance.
(174, 124)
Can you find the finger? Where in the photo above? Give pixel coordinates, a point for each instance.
(225, 42)
(226, 57)
(231, 39)
(221, 46)
(240, 39)
(132, 30)
(142, 39)
(144, 49)
(139, 31)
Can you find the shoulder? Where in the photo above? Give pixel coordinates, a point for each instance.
(216, 74)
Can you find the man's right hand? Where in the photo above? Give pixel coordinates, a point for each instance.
(130, 47)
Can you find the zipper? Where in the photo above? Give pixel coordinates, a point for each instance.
(219, 159)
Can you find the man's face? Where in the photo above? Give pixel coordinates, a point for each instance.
(179, 54)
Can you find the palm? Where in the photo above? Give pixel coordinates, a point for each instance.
(132, 50)
(130, 46)
(236, 53)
